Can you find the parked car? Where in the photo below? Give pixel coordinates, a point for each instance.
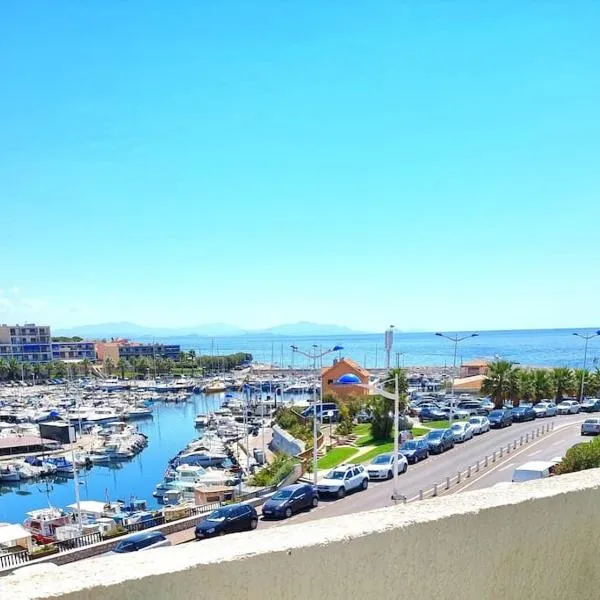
(545, 409)
(458, 414)
(290, 499)
(499, 418)
(487, 404)
(480, 425)
(227, 519)
(523, 413)
(473, 407)
(415, 450)
(146, 540)
(590, 426)
(344, 479)
(431, 414)
(440, 440)
(568, 407)
(363, 416)
(590, 405)
(383, 465)
(462, 431)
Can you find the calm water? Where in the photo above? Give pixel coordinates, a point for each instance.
(549, 347)
(168, 431)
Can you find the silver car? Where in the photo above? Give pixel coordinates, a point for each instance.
(545, 409)
(462, 432)
(568, 407)
(480, 425)
(590, 427)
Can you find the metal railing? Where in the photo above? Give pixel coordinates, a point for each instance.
(483, 463)
(78, 542)
(14, 559)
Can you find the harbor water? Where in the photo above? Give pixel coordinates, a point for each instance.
(169, 430)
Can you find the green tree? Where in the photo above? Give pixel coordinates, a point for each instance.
(499, 381)
(4, 368)
(14, 369)
(123, 366)
(594, 383)
(169, 365)
(543, 385)
(109, 366)
(577, 375)
(527, 384)
(59, 369)
(382, 409)
(39, 371)
(86, 364)
(345, 425)
(564, 382)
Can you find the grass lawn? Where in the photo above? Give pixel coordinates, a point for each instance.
(367, 456)
(335, 456)
(419, 431)
(437, 424)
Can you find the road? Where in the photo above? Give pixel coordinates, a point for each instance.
(436, 468)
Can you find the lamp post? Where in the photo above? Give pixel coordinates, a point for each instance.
(314, 356)
(395, 396)
(587, 338)
(455, 339)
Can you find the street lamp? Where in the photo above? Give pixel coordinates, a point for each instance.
(314, 356)
(395, 396)
(587, 338)
(455, 339)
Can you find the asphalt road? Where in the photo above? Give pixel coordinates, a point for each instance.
(436, 468)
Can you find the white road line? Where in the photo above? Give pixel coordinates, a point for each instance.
(540, 440)
(508, 466)
(534, 453)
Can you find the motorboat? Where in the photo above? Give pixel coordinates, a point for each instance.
(9, 473)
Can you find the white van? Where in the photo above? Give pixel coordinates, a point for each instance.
(537, 469)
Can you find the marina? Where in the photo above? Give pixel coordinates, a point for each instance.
(159, 456)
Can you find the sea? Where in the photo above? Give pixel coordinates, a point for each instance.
(172, 425)
(540, 347)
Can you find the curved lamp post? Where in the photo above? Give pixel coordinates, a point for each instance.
(395, 396)
(455, 339)
(314, 356)
(587, 338)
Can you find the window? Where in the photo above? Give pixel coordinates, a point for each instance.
(329, 381)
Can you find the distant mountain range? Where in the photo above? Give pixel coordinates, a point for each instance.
(133, 330)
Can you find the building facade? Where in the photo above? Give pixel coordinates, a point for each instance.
(116, 349)
(32, 343)
(344, 366)
(26, 343)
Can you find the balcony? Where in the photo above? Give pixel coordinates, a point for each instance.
(535, 540)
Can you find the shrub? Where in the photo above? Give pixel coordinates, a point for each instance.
(44, 551)
(345, 426)
(296, 426)
(580, 457)
(115, 532)
(275, 472)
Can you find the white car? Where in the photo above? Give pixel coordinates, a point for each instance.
(344, 479)
(462, 431)
(568, 407)
(383, 465)
(591, 426)
(480, 425)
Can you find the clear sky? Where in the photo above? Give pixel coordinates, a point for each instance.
(434, 165)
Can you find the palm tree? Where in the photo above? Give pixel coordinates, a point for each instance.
(109, 366)
(14, 369)
(543, 384)
(499, 381)
(594, 383)
(169, 365)
(38, 370)
(564, 382)
(577, 375)
(86, 364)
(527, 384)
(4, 368)
(123, 366)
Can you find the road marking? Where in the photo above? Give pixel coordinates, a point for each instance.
(542, 439)
(508, 466)
(535, 453)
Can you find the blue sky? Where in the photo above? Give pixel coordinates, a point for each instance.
(428, 164)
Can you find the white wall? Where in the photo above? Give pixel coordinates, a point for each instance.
(284, 442)
(537, 540)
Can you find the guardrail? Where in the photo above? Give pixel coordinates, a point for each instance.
(14, 559)
(78, 542)
(482, 464)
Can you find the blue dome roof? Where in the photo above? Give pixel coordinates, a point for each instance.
(348, 378)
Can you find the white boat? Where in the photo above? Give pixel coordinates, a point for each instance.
(214, 387)
(202, 421)
(9, 473)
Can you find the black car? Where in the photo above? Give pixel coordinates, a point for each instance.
(415, 450)
(227, 519)
(523, 413)
(144, 540)
(290, 499)
(439, 440)
(500, 418)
